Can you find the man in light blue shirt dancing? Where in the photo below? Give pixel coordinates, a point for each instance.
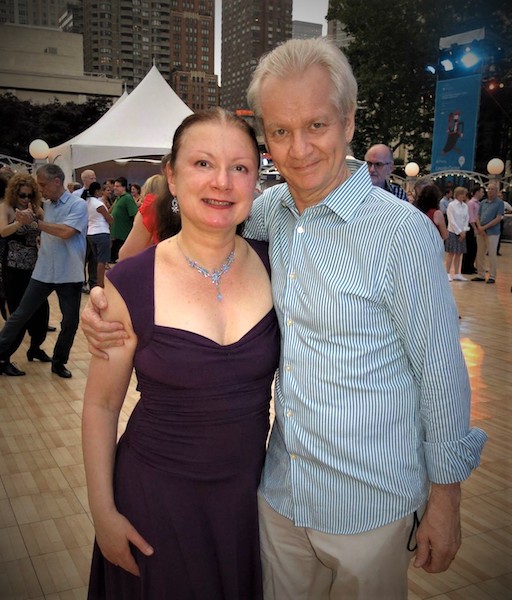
(59, 268)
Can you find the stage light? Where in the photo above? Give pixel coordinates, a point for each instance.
(447, 64)
(470, 59)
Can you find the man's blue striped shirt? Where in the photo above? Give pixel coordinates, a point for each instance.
(372, 395)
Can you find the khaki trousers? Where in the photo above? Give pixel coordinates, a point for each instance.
(487, 244)
(305, 564)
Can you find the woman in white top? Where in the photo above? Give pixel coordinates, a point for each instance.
(98, 230)
(458, 224)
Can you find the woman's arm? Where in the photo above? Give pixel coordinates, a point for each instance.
(7, 228)
(441, 224)
(105, 214)
(107, 383)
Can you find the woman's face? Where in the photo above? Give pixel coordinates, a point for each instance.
(214, 176)
(134, 191)
(25, 196)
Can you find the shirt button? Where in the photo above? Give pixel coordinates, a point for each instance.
(288, 367)
(293, 276)
(300, 229)
(289, 322)
(289, 413)
(293, 456)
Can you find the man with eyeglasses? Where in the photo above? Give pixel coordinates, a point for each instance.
(379, 159)
(59, 266)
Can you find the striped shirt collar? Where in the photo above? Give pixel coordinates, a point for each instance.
(344, 200)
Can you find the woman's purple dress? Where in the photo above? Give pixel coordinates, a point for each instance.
(188, 465)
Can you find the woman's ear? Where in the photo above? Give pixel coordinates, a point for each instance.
(169, 175)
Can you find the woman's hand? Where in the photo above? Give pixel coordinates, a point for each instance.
(100, 334)
(25, 217)
(114, 533)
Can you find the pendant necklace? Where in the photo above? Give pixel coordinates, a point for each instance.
(214, 276)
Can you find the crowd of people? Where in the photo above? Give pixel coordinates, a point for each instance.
(46, 246)
(326, 287)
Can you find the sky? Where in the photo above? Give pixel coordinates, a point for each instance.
(312, 11)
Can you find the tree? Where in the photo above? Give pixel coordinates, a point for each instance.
(56, 122)
(393, 41)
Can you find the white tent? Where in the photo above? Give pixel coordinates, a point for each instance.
(141, 123)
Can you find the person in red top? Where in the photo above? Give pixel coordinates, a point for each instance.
(145, 231)
(428, 203)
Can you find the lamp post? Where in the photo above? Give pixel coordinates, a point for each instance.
(411, 170)
(39, 151)
(495, 168)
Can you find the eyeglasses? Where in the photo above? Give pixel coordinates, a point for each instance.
(30, 196)
(376, 165)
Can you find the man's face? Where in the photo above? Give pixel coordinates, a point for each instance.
(50, 188)
(492, 191)
(88, 177)
(119, 189)
(305, 135)
(379, 165)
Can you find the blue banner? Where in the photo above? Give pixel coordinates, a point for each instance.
(455, 123)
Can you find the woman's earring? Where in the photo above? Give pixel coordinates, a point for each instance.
(174, 205)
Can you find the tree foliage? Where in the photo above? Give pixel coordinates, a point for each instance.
(392, 42)
(22, 121)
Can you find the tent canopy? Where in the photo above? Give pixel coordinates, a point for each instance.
(141, 123)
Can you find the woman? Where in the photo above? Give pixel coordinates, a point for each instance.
(180, 519)
(98, 232)
(428, 202)
(19, 262)
(458, 223)
(135, 192)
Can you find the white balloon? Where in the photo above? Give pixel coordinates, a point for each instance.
(39, 149)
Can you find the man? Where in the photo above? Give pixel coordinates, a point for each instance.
(123, 211)
(59, 266)
(507, 210)
(88, 176)
(379, 159)
(365, 421)
(446, 199)
(372, 397)
(468, 259)
(490, 214)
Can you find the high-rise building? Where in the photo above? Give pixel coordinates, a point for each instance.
(302, 30)
(124, 38)
(39, 13)
(249, 29)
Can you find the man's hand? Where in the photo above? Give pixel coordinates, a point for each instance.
(438, 536)
(100, 334)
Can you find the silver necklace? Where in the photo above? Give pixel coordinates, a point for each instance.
(214, 276)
